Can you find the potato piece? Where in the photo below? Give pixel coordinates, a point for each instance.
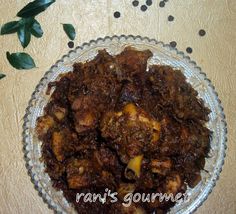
(87, 119)
(44, 123)
(135, 166)
(64, 143)
(131, 110)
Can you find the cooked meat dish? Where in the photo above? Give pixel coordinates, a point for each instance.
(114, 122)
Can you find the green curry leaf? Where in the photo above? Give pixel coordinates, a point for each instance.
(34, 8)
(20, 60)
(69, 30)
(10, 27)
(24, 31)
(36, 29)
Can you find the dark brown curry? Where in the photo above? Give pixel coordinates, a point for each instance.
(114, 123)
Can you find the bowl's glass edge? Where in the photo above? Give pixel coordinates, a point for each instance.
(26, 130)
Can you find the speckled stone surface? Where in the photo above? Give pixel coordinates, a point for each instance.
(215, 52)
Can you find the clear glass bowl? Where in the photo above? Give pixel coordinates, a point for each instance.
(163, 54)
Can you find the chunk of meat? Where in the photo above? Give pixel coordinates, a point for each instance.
(106, 159)
(57, 145)
(63, 143)
(88, 107)
(79, 173)
(84, 172)
(44, 123)
(82, 102)
(84, 113)
(103, 64)
(85, 120)
(59, 113)
(172, 86)
(131, 62)
(161, 166)
(131, 131)
(173, 184)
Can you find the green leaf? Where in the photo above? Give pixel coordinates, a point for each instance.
(10, 27)
(2, 76)
(34, 8)
(20, 60)
(69, 30)
(24, 31)
(36, 29)
(24, 36)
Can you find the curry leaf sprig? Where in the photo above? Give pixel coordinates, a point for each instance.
(25, 27)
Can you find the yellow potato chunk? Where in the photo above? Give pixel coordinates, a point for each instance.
(131, 110)
(135, 165)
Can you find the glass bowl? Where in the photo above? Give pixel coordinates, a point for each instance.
(162, 54)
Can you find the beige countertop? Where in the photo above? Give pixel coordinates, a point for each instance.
(215, 53)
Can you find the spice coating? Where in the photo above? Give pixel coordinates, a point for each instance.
(114, 123)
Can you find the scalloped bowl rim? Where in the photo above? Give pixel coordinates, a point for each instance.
(26, 129)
